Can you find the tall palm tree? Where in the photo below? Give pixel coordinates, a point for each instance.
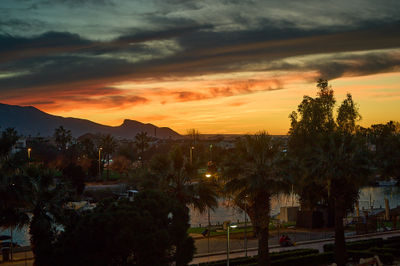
(253, 176)
(12, 214)
(108, 145)
(62, 138)
(142, 141)
(175, 175)
(45, 200)
(341, 163)
(11, 208)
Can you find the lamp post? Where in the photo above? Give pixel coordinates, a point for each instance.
(208, 175)
(191, 155)
(100, 149)
(29, 155)
(227, 242)
(245, 229)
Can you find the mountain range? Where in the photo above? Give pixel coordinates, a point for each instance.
(28, 120)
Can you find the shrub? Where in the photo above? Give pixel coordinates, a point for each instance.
(356, 255)
(273, 256)
(306, 260)
(358, 245)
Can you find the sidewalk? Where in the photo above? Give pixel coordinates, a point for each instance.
(315, 244)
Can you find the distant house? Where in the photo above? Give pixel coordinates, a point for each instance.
(19, 146)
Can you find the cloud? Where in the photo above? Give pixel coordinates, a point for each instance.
(345, 64)
(66, 63)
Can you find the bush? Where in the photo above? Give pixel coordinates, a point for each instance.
(392, 240)
(356, 255)
(358, 245)
(395, 245)
(306, 260)
(273, 256)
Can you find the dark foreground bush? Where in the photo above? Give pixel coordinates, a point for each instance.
(385, 257)
(274, 256)
(358, 245)
(306, 260)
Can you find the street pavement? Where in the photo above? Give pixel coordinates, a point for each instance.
(238, 251)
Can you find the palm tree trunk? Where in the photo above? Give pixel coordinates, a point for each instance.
(263, 254)
(262, 208)
(340, 242)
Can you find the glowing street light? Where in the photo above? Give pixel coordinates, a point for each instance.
(29, 153)
(229, 225)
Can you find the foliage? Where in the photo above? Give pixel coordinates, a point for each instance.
(385, 139)
(142, 141)
(143, 232)
(306, 260)
(174, 173)
(332, 156)
(275, 256)
(253, 175)
(76, 176)
(108, 145)
(8, 139)
(358, 245)
(62, 138)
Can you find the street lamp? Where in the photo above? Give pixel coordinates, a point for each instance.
(29, 153)
(229, 225)
(191, 155)
(208, 175)
(245, 229)
(100, 149)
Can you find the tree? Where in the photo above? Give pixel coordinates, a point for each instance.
(174, 174)
(75, 175)
(143, 232)
(342, 164)
(45, 200)
(62, 138)
(11, 214)
(385, 141)
(333, 157)
(108, 145)
(8, 139)
(253, 175)
(11, 208)
(142, 141)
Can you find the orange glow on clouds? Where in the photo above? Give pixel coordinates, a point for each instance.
(244, 104)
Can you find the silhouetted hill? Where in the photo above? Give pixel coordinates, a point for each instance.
(31, 121)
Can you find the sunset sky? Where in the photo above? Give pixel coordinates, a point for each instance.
(228, 66)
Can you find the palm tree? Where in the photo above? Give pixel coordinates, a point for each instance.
(62, 138)
(12, 213)
(142, 141)
(341, 163)
(11, 208)
(45, 200)
(108, 145)
(253, 176)
(174, 174)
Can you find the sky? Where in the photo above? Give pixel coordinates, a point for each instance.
(219, 66)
